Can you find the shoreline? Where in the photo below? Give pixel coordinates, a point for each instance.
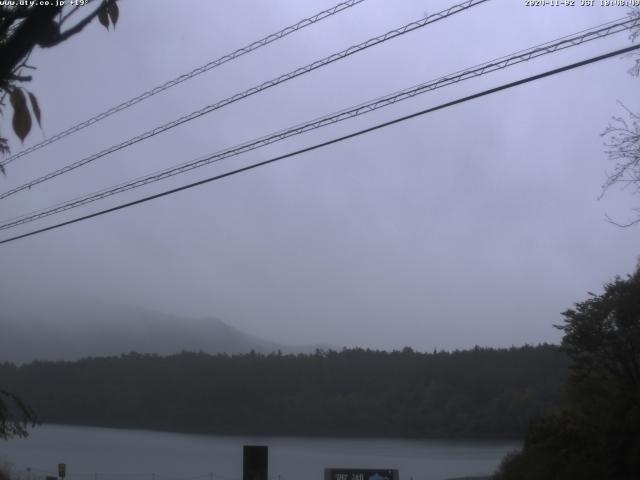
(436, 438)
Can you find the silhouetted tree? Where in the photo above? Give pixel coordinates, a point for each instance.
(598, 435)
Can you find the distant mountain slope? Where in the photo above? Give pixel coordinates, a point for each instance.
(69, 331)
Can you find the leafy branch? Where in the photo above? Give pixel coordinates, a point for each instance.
(24, 27)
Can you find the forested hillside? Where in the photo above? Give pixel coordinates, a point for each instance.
(479, 392)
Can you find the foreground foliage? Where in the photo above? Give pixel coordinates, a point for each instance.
(597, 435)
(15, 416)
(479, 392)
(25, 25)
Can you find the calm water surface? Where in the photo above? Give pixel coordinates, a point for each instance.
(110, 454)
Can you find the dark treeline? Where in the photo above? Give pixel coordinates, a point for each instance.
(473, 393)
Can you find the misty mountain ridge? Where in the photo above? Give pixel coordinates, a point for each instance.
(71, 330)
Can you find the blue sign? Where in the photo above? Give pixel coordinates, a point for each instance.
(360, 474)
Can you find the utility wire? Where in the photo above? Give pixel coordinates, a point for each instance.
(331, 142)
(263, 86)
(187, 76)
(598, 32)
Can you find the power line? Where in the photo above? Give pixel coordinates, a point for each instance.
(187, 76)
(331, 142)
(598, 32)
(263, 86)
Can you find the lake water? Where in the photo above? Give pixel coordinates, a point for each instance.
(111, 454)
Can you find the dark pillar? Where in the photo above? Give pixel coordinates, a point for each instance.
(255, 462)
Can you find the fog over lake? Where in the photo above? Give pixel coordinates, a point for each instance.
(392, 222)
(142, 455)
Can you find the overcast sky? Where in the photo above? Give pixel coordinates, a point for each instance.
(478, 224)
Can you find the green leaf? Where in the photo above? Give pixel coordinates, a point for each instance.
(35, 107)
(114, 13)
(21, 115)
(103, 16)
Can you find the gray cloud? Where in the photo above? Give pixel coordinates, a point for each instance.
(474, 225)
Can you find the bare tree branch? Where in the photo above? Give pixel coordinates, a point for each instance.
(623, 141)
(630, 223)
(15, 416)
(623, 147)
